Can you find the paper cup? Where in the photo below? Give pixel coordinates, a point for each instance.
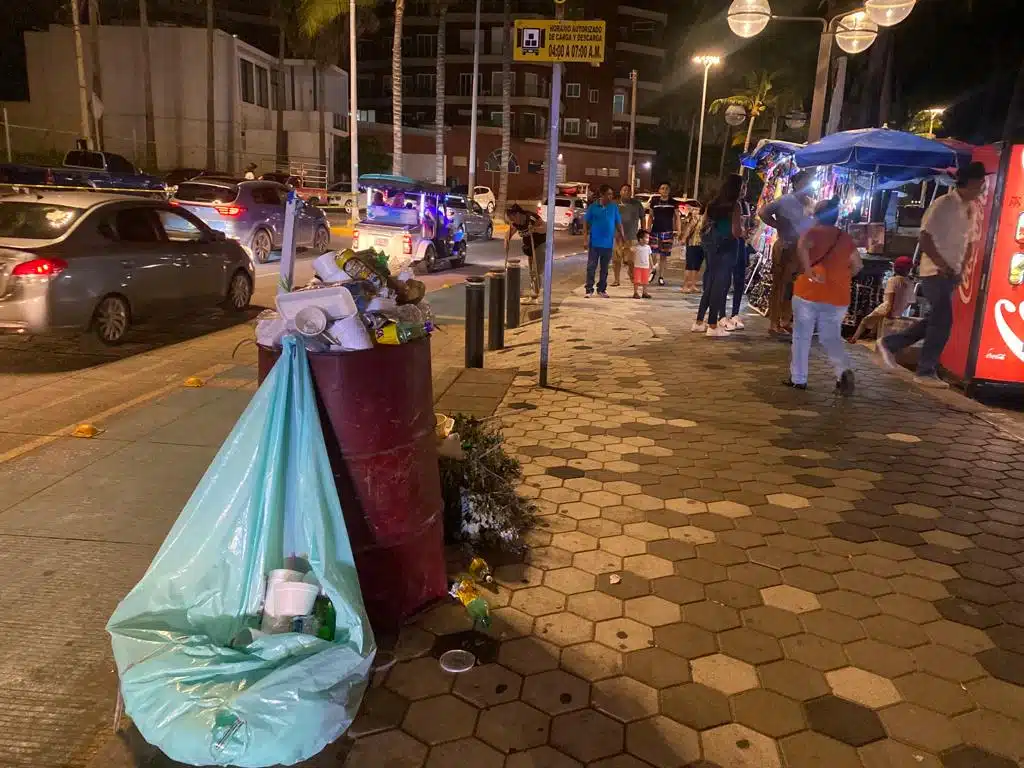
(291, 598)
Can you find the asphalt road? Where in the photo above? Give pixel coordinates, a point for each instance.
(49, 384)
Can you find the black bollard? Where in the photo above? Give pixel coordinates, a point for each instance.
(474, 322)
(496, 310)
(513, 276)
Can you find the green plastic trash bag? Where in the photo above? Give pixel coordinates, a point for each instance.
(268, 495)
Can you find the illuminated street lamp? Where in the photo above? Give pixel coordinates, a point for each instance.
(932, 114)
(854, 32)
(707, 62)
(888, 13)
(748, 18)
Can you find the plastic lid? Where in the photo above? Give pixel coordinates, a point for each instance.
(457, 660)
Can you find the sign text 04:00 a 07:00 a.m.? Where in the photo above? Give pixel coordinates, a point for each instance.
(553, 40)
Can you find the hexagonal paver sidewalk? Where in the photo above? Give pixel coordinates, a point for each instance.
(727, 572)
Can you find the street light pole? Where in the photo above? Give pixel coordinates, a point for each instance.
(474, 102)
(630, 167)
(708, 62)
(353, 114)
(83, 91)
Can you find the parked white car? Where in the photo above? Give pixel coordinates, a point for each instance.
(485, 197)
(569, 213)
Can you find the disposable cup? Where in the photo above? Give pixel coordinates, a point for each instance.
(283, 574)
(291, 598)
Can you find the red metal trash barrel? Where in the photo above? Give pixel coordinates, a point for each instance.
(377, 411)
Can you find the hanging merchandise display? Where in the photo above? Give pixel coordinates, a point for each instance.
(246, 642)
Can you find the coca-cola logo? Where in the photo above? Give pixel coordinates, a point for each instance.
(975, 218)
(1003, 308)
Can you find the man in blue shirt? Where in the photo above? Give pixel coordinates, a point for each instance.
(602, 224)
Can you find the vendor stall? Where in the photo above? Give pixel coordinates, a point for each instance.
(986, 345)
(863, 169)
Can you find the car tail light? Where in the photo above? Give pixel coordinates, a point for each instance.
(173, 202)
(230, 210)
(407, 244)
(40, 268)
(355, 239)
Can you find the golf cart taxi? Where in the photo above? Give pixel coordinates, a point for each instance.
(406, 219)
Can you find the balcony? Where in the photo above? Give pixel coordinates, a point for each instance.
(641, 85)
(643, 50)
(623, 117)
(636, 12)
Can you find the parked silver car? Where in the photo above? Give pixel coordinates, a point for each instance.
(83, 260)
(252, 212)
(470, 215)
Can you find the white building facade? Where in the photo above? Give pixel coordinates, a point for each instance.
(245, 99)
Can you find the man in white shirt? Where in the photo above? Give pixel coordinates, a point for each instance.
(945, 231)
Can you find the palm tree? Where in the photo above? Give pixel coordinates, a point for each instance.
(506, 108)
(442, 63)
(396, 89)
(755, 97)
(211, 115)
(147, 87)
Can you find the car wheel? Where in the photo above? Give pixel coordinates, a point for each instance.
(490, 207)
(111, 319)
(262, 246)
(429, 259)
(348, 206)
(489, 232)
(239, 293)
(321, 240)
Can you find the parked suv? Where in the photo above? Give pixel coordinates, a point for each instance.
(252, 212)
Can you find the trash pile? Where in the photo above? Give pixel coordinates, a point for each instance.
(478, 485)
(466, 588)
(294, 601)
(352, 304)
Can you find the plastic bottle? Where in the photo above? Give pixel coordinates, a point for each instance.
(326, 617)
(402, 333)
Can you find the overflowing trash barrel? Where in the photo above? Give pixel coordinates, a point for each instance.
(376, 408)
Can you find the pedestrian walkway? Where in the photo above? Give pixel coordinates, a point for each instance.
(728, 572)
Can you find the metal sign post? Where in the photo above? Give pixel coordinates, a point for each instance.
(555, 41)
(291, 212)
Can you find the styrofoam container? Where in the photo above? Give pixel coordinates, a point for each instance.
(291, 598)
(335, 301)
(283, 574)
(326, 267)
(351, 334)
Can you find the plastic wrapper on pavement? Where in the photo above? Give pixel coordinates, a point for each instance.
(378, 420)
(267, 499)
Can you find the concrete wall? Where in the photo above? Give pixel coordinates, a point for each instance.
(50, 120)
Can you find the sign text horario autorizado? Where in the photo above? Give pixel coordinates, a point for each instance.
(551, 40)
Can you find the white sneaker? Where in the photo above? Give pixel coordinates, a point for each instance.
(717, 333)
(737, 324)
(698, 327)
(727, 324)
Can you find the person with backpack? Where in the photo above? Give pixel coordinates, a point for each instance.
(828, 259)
(723, 228)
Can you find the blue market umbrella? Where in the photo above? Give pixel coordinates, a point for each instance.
(877, 150)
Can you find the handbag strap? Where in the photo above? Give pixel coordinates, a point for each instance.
(826, 254)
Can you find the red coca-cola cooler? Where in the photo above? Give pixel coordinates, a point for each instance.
(987, 341)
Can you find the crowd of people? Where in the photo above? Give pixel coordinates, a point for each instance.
(813, 263)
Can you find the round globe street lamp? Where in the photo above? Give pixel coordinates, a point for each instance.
(856, 32)
(748, 18)
(707, 62)
(735, 115)
(887, 13)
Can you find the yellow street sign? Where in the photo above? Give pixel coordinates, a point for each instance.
(553, 40)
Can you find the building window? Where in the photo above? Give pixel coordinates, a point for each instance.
(591, 129)
(364, 85)
(425, 83)
(589, 172)
(466, 39)
(247, 78)
(496, 118)
(366, 115)
(426, 46)
(497, 40)
(613, 173)
(571, 126)
(594, 95)
(531, 85)
(275, 87)
(385, 85)
(406, 84)
(465, 84)
(497, 82)
(262, 87)
(572, 90)
(529, 125)
(618, 103)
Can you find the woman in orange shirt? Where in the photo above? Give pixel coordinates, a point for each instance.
(828, 259)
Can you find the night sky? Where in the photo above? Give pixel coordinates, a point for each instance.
(959, 54)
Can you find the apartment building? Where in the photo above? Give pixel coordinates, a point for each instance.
(246, 87)
(595, 105)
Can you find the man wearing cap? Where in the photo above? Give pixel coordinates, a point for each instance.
(945, 232)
